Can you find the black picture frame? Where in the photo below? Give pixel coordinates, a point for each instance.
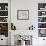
(22, 14)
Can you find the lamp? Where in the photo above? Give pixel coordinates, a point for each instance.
(13, 27)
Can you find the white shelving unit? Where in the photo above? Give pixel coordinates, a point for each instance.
(41, 28)
(42, 18)
(41, 22)
(4, 19)
(3, 10)
(42, 10)
(4, 22)
(3, 16)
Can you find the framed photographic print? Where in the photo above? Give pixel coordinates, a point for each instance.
(22, 14)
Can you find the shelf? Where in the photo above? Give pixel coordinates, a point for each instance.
(41, 22)
(3, 10)
(3, 16)
(3, 13)
(3, 22)
(41, 28)
(42, 16)
(41, 10)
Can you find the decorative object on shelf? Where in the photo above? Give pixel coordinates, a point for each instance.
(31, 27)
(4, 26)
(6, 7)
(42, 32)
(45, 7)
(3, 19)
(4, 29)
(41, 19)
(26, 39)
(41, 6)
(41, 25)
(13, 27)
(23, 14)
(3, 13)
(43, 13)
(0, 7)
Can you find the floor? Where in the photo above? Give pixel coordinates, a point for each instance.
(3, 45)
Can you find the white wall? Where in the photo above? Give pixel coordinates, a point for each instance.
(24, 5)
(32, 6)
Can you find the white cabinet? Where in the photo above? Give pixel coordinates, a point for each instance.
(3, 40)
(41, 41)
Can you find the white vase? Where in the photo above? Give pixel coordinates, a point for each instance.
(22, 43)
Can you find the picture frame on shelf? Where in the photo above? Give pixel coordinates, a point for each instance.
(22, 14)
